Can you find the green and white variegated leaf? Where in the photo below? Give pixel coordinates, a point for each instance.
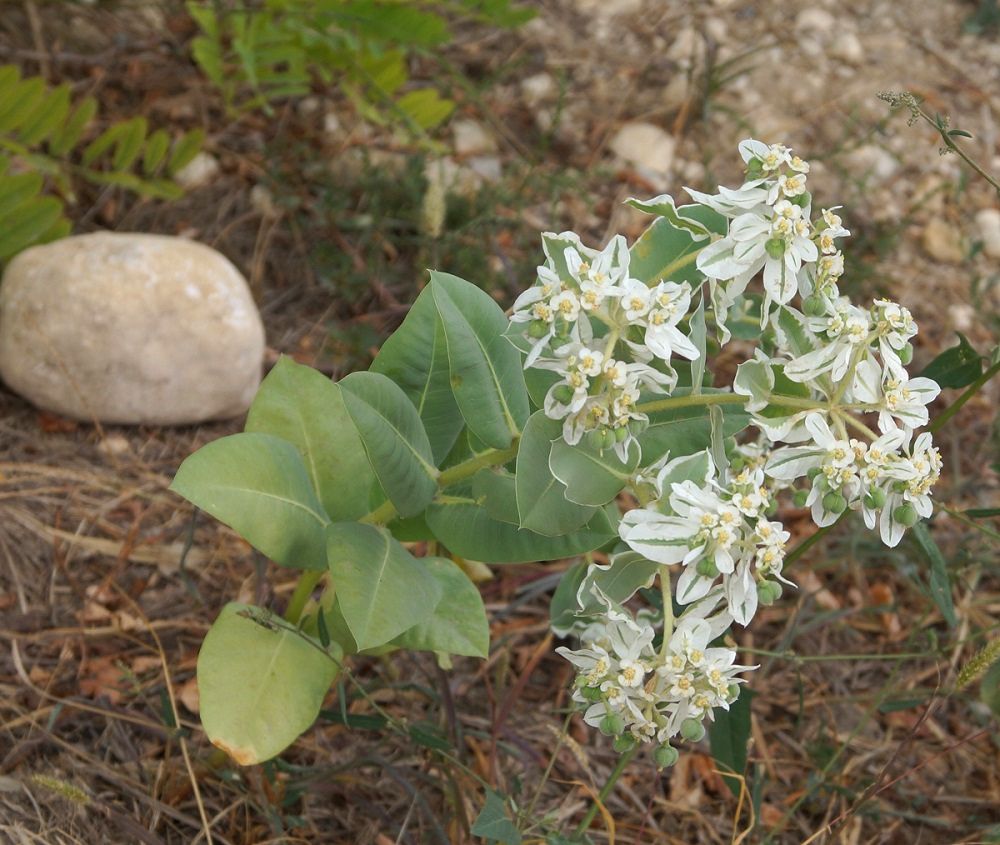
(458, 624)
(555, 247)
(394, 438)
(663, 206)
(485, 369)
(258, 485)
(564, 609)
(591, 476)
(301, 405)
(793, 332)
(382, 589)
(658, 537)
(764, 384)
(697, 468)
(542, 502)
(666, 252)
(793, 462)
(699, 337)
(619, 580)
(415, 357)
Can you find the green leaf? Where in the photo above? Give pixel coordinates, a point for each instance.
(155, 152)
(185, 149)
(459, 624)
(133, 133)
(485, 370)
(468, 530)
(52, 115)
(68, 135)
(940, 584)
(563, 608)
(34, 221)
(260, 686)
(302, 406)
(542, 505)
(729, 735)
(494, 824)
(381, 588)
(684, 431)
(21, 102)
(663, 206)
(394, 438)
(591, 477)
(415, 357)
(619, 580)
(956, 367)
(664, 252)
(793, 332)
(496, 490)
(258, 485)
(699, 337)
(425, 107)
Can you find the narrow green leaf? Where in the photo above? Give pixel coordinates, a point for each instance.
(258, 485)
(34, 220)
(68, 135)
(51, 115)
(381, 588)
(130, 143)
(394, 438)
(21, 102)
(728, 736)
(260, 686)
(939, 582)
(185, 149)
(155, 152)
(301, 405)
(485, 370)
(699, 337)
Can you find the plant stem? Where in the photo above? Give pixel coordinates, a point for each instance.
(616, 772)
(303, 590)
(956, 406)
(668, 610)
(856, 424)
(691, 401)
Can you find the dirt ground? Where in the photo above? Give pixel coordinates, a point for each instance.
(108, 582)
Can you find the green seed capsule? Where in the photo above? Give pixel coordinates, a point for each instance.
(563, 394)
(834, 502)
(692, 730)
(591, 694)
(906, 515)
(538, 328)
(814, 306)
(707, 568)
(775, 247)
(755, 167)
(768, 592)
(875, 499)
(799, 498)
(665, 756)
(612, 725)
(906, 354)
(733, 692)
(812, 473)
(621, 434)
(623, 743)
(560, 340)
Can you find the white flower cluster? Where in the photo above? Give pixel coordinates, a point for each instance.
(714, 528)
(633, 692)
(602, 372)
(827, 389)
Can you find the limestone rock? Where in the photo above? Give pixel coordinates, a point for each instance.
(472, 138)
(130, 328)
(988, 223)
(943, 242)
(647, 146)
(201, 170)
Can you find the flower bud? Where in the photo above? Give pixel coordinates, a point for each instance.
(692, 730)
(623, 743)
(612, 725)
(665, 756)
(775, 247)
(563, 394)
(799, 498)
(538, 328)
(814, 305)
(906, 515)
(875, 499)
(906, 354)
(768, 592)
(707, 568)
(834, 502)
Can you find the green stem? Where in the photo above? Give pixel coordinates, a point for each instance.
(668, 610)
(616, 773)
(303, 590)
(672, 402)
(856, 424)
(956, 406)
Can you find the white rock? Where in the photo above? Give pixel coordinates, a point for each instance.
(645, 145)
(988, 223)
(130, 328)
(609, 8)
(817, 20)
(847, 47)
(538, 88)
(488, 167)
(962, 316)
(872, 161)
(201, 170)
(262, 201)
(472, 138)
(943, 242)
